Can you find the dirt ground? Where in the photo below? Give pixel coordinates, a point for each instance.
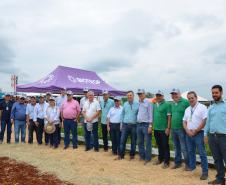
(13, 172)
(92, 168)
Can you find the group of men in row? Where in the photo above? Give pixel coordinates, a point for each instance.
(188, 122)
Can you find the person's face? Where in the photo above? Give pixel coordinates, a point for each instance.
(192, 99)
(141, 96)
(216, 94)
(33, 101)
(130, 96)
(69, 97)
(41, 100)
(22, 100)
(48, 96)
(105, 96)
(7, 98)
(63, 93)
(52, 103)
(159, 97)
(117, 103)
(175, 96)
(90, 96)
(86, 94)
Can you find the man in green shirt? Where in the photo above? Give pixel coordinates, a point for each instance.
(162, 118)
(178, 107)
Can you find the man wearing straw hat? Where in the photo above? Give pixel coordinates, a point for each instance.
(52, 122)
(105, 104)
(70, 111)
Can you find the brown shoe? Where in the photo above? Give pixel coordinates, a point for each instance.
(157, 162)
(176, 166)
(131, 158)
(165, 166)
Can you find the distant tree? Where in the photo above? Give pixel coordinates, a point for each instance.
(150, 95)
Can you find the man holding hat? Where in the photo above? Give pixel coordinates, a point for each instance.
(178, 107)
(70, 111)
(144, 126)
(105, 104)
(162, 121)
(129, 125)
(5, 111)
(18, 117)
(114, 125)
(31, 124)
(39, 113)
(52, 122)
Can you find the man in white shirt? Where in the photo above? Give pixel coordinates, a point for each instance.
(39, 113)
(114, 124)
(91, 111)
(194, 121)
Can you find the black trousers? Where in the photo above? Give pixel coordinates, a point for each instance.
(32, 127)
(162, 141)
(40, 130)
(105, 136)
(115, 134)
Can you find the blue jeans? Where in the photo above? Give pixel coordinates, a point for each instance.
(128, 130)
(20, 126)
(217, 145)
(180, 146)
(91, 136)
(194, 142)
(115, 134)
(144, 137)
(70, 126)
(88, 137)
(5, 123)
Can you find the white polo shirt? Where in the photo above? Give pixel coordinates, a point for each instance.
(114, 114)
(91, 108)
(194, 116)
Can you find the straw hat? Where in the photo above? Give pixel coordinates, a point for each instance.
(50, 128)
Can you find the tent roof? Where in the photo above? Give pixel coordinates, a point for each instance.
(71, 79)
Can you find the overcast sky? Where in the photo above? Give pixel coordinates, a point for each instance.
(130, 44)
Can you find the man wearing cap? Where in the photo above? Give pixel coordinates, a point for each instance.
(144, 127)
(91, 111)
(18, 118)
(162, 119)
(52, 116)
(215, 133)
(39, 113)
(5, 111)
(31, 124)
(129, 125)
(114, 124)
(178, 134)
(105, 104)
(70, 111)
(48, 96)
(194, 121)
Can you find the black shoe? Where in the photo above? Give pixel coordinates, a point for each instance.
(204, 177)
(176, 166)
(131, 157)
(105, 150)
(96, 150)
(157, 162)
(119, 158)
(165, 166)
(55, 147)
(87, 149)
(216, 182)
(65, 147)
(75, 147)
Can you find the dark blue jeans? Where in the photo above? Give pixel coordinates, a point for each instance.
(180, 146)
(20, 128)
(95, 137)
(91, 136)
(144, 137)
(115, 134)
(128, 130)
(70, 126)
(194, 142)
(217, 145)
(5, 123)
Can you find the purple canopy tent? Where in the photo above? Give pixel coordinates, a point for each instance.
(72, 79)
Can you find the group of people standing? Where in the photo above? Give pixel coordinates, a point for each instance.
(188, 122)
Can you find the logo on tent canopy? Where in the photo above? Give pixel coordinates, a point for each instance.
(83, 80)
(48, 79)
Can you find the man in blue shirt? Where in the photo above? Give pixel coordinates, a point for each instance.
(105, 104)
(5, 111)
(129, 125)
(215, 129)
(18, 117)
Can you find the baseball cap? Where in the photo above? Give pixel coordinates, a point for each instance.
(174, 90)
(159, 92)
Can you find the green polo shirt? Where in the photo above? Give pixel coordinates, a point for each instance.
(161, 112)
(177, 112)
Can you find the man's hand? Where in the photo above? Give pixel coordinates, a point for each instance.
(149, 130)
(108, 128)
(189, 133)
(206, 140)
(12, 121)
(36, 123)
(167, 131)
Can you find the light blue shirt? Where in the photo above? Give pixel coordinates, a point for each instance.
(145, 112)
(129, 112)
(60, 100)
(105, 107)
(216, 118)
(30, 111)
